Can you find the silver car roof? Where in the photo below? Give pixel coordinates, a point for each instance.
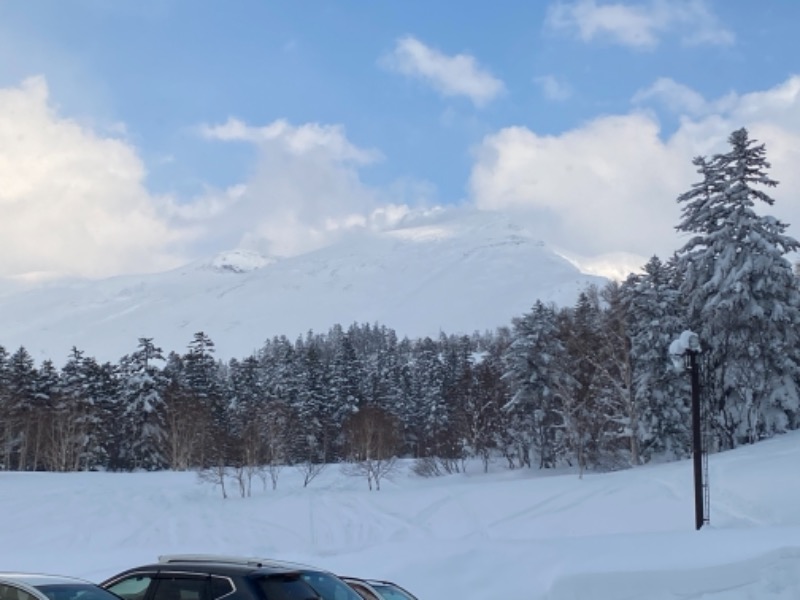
(34, 579)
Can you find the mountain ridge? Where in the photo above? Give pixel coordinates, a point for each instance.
(456, 275)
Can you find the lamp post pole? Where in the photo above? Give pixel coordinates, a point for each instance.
(697, 440)
(684, 352)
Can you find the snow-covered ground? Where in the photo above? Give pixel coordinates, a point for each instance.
(504, 535)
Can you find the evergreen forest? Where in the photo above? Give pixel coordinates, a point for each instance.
(590, 386)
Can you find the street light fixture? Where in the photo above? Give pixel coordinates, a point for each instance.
(684, 352)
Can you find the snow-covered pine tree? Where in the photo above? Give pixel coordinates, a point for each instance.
(585, 420)
(281, 381)
(313, 406)
(185, 424)
(457, 370)
(431, 416)
(101, 392)
(742, 295)
(382, 372)
(402, 401)
(47, 390)
(6, 425)
(346, 376)
(201, 380)
(280, 370)
(534, 373)
(614, 403)
(143, 408)
(73, 428)
(654, 318)
(247, 423)
(484, 398)
(20, 410)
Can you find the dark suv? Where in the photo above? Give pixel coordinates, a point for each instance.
(210, 577)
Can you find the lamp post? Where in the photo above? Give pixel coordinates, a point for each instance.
(684, 353)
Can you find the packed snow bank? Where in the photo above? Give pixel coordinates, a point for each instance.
(772, 575)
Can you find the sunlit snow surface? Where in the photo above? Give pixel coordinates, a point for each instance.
(507, 535)
(454, 275)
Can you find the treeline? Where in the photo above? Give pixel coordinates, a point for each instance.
(590, 385)
(291, 402)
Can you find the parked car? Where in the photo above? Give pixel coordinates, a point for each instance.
(376, 589)
(37, 586)
(212, 577)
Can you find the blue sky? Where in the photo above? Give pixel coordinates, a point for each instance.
(280, 125)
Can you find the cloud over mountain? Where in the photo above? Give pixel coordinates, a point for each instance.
(446, 271)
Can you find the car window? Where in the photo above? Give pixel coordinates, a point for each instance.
(390, 592)
(11, 592)
(286, 586)
(221, 587)
(329, 587)
(131, 588)
(75, 591)
(181, 588)
(363, 590)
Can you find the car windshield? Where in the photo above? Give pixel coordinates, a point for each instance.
(329, 587)
(75, 591)
(391, 592)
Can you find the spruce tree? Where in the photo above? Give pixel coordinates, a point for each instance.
(584, 424)
(615, 404)
(655, 317)
(21, 410)
(741, 293)
(101, 393)
(346, 376)
(204, 385)
(430, 414)
(534, 373)
(143, 408)
(6, 424)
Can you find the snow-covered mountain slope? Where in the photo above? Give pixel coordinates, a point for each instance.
(455, 274)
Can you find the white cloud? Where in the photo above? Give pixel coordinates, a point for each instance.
(589, 187)
(73, 200)
(676, 96)
(611, 185)
(458, 75)
(613, 265)
(682, 99)
(704, 29)
(305, 190)
(299, 141)
(552, 88)
(640, 25)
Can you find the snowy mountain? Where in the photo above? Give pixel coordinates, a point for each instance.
(457, 273)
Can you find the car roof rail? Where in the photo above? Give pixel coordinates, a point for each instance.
(217, 558)
(252, 561)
